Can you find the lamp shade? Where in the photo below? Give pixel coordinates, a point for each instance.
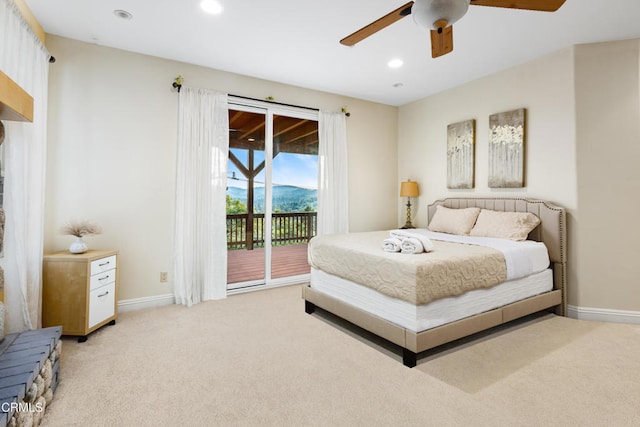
(409, 189)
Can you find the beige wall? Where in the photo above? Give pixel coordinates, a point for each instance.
(583, 151)
(112, 144)
(607, 82)
(544, 87)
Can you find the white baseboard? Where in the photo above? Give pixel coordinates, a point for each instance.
(603, 314)
(145, 302)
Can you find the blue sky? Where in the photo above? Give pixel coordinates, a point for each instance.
(300, 170)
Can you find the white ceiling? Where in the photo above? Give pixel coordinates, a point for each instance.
(297, 41)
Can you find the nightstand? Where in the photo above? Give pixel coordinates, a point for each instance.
(79, 291)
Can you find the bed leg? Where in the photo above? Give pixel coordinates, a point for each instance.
(309, 307)
(409, 358)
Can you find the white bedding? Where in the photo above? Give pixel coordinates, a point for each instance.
(457, 264)
(522, 258)
(422, 317)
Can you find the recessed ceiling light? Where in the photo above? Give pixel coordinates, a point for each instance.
(395, 63)
(211, 6)
(123, 14)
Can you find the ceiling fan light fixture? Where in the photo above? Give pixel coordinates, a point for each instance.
(427, 12)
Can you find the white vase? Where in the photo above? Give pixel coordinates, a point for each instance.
(78, 247)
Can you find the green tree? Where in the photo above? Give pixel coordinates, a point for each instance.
(235, 206)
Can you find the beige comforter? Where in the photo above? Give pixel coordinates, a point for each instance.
(450, 269)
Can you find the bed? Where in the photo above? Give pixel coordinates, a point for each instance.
(416, 321)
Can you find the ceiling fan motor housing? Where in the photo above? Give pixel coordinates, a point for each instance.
(427, 12)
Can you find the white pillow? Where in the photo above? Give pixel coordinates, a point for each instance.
(453, 221)
(506, 225)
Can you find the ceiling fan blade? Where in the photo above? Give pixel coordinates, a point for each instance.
(541, 5)
(377, 25)
(441, 39)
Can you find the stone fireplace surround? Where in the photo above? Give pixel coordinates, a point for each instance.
(29, 370)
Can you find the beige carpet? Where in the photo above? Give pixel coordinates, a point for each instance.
(258, 359)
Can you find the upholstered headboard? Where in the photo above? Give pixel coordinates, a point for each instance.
(551, 231)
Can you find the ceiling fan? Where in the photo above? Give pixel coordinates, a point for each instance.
(440, 15)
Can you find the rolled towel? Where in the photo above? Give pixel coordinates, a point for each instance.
(416, 233)
(392, 244)
(411, 245)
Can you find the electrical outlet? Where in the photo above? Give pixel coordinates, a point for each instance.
(163, 276)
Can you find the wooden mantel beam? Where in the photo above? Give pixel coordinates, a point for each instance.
(15, 103)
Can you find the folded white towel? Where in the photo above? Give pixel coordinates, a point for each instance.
(419, 234)
(392, 244)
(411, 245)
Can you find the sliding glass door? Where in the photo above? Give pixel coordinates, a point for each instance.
(246, 196)
(294, 194)
(271, 194)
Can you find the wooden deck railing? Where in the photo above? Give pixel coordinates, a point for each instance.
(286, 229)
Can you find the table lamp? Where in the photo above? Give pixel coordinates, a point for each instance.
(408, 189)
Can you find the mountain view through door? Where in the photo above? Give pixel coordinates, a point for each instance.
(271, 206)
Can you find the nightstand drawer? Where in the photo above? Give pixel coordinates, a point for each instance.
(103, 264)
(101, 304)
(101, 279)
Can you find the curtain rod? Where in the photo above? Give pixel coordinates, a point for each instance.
(344, 110)
(274, 102)
(178, 86)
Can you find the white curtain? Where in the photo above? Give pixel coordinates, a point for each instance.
(200, 252)
(333, 185)
(25, 60)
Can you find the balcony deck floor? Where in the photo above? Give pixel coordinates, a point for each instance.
(243, 265)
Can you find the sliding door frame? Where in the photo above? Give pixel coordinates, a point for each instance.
(270, 110)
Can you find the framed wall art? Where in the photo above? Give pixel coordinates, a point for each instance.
(461, 148)
(506, 149)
